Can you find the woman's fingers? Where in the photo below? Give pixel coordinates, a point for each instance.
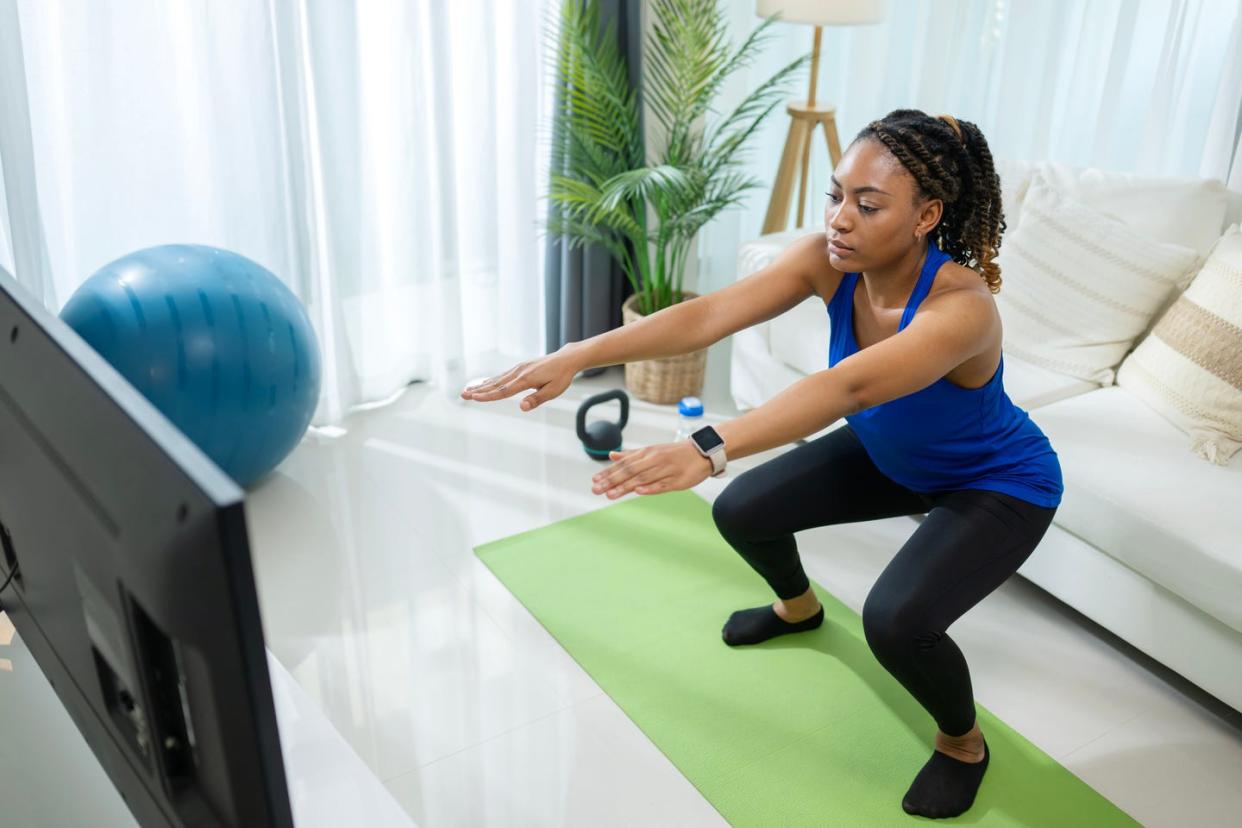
(504, 389)
(544, 392)
(650, 470)
(497, 387)
(605, 479)
(628, 464)
(478, 388)
(627, 475)
(628, 485)
(547, 377)
(648, 482)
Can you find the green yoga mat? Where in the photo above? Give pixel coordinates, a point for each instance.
(805, 729)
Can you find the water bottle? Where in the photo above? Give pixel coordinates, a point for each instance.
(689, 417)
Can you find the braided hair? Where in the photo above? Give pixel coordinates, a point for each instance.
(950, 160)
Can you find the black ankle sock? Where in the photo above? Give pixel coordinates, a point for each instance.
(945, 787)
(750, 626)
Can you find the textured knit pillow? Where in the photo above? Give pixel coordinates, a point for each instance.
(1190, 367)
(1186, 211)
(1079, 286)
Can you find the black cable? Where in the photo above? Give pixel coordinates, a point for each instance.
(12, 572)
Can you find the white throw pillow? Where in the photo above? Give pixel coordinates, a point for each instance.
(1079, 287)
(1185, 211)
(1189, 368)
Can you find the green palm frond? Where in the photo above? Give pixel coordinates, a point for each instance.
(598, 109)
(726, 138)
(646, 182)
(725, 192)
(683, 66)
(603, 188)
(584, 201)
(578, 233)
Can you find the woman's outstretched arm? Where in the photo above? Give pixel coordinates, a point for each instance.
(705, 320)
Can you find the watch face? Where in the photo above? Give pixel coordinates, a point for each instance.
(707, 438)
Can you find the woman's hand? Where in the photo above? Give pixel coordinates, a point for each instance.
(549, 376)
(667, 467)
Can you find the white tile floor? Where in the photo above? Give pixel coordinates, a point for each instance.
(473, 715)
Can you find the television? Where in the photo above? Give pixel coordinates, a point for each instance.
(130, 580)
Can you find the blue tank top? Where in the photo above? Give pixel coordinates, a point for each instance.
(946, 437)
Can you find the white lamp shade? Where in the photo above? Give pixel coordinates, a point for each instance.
(825, 12)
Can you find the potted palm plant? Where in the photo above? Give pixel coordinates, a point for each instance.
(647, 211)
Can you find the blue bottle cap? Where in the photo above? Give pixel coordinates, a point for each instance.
(690, 407)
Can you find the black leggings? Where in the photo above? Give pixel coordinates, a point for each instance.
(971, 541)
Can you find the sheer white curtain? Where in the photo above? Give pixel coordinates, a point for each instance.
(380, 157)
(1152, 87)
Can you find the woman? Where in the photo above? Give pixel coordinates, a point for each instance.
(906, 268)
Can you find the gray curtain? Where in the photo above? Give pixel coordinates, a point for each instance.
(585, 288)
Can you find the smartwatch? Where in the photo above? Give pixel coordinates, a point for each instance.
(711, 445)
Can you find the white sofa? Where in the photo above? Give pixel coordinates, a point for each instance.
(1147, 541)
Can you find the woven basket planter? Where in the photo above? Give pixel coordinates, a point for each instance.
(664, 381)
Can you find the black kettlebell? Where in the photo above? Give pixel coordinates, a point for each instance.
(601, 437)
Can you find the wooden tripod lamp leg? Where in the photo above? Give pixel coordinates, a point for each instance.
(782, 188)
(834, 144)
(810, 105)
(802, 178)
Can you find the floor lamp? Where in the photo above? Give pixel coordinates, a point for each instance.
(804, 117)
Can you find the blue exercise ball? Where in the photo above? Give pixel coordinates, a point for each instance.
(215, 341)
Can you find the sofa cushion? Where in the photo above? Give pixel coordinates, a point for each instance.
(1191, 212)
(799, 337)
(1190, 367)
(1134, 492)
(755, 255)
(1080, 286)
(1031, 386)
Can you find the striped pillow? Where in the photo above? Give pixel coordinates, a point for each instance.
(1190, 367)
(1080, 286)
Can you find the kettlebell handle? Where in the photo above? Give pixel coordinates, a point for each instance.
(605, 396)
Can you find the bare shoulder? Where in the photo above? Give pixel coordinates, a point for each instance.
(964, 295)
(953, 276)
